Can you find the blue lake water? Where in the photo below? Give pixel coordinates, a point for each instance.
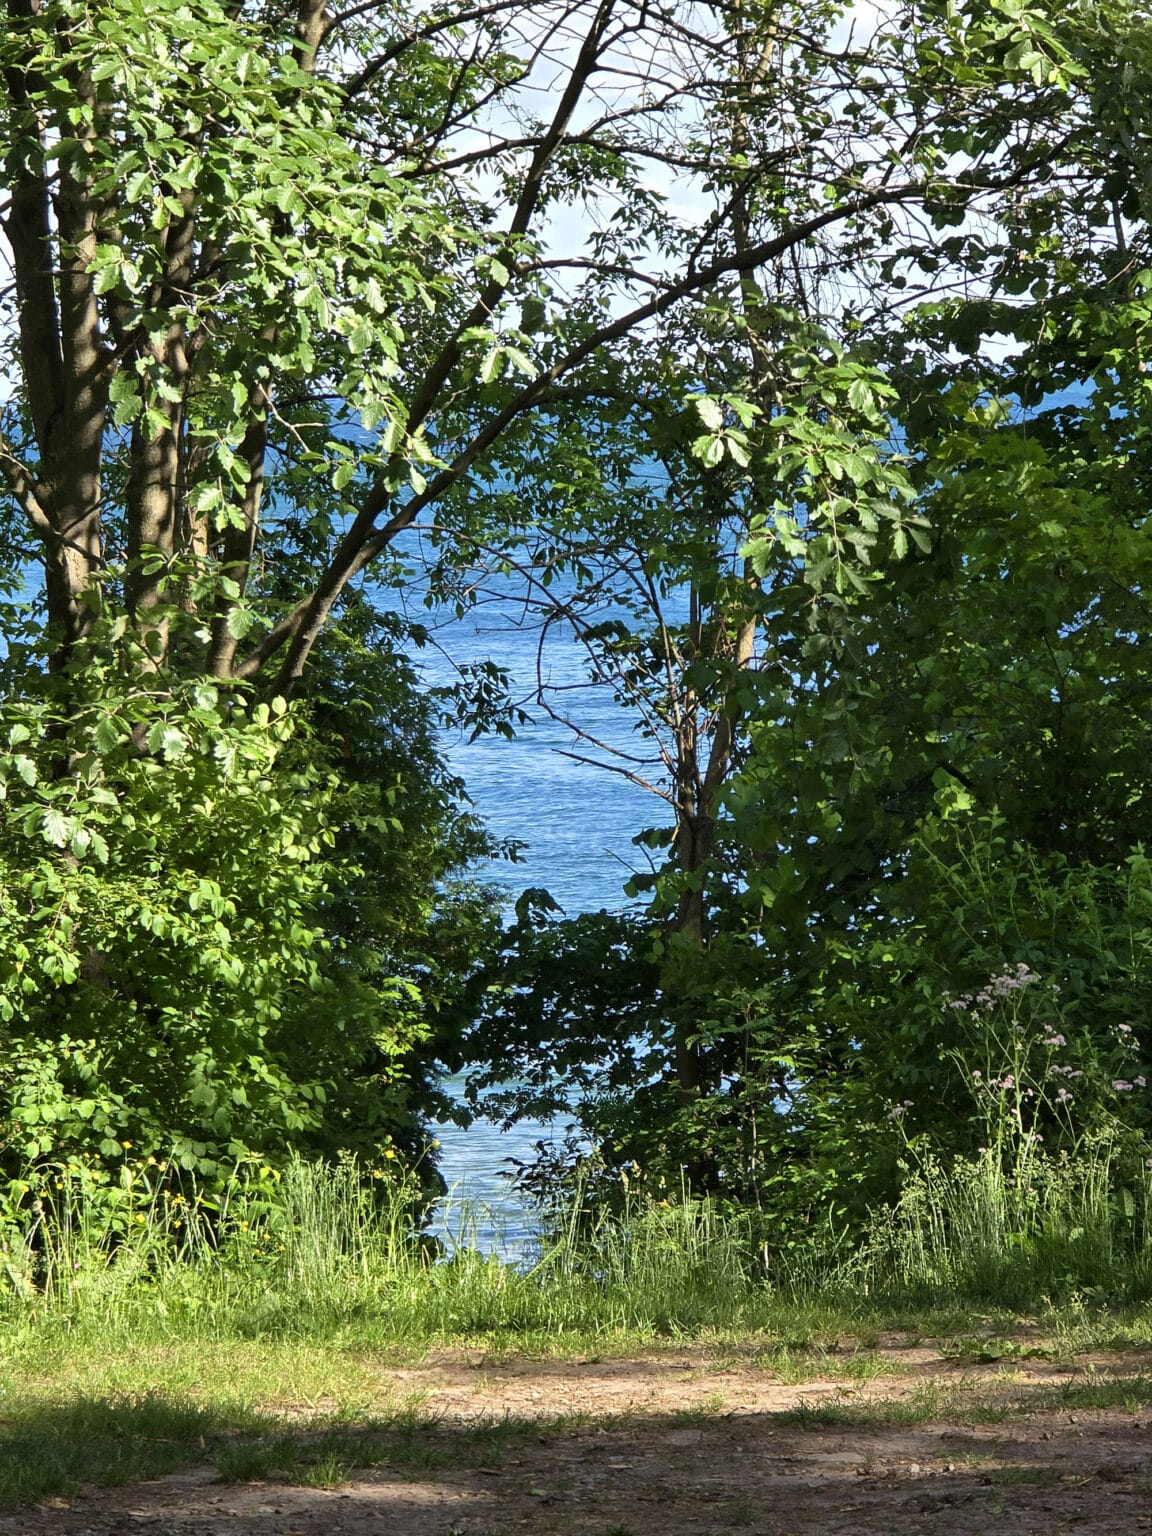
(578, 822)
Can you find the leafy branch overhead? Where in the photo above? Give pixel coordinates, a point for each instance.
(285, 280)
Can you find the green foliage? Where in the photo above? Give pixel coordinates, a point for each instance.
(408, 921)
(936, 778)
(1051, 1227)
(542, 1003)
(177, 113)
(200, 962)
(164, 863)
(284, 284)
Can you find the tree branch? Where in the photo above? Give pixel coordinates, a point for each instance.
(23, 487)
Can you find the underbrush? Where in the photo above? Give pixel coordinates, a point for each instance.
(1052, 1230)
(334, 1255)
(327, 1254)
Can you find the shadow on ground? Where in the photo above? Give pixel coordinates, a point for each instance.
(960, 1455)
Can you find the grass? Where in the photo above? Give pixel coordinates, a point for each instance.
(58, 1430)
(52, 1443)
(969, 1404)
(82, 1413)
(856, 1364)
(330, 1258)
(254, 1342)
(1052, 1227)
(53, 1446)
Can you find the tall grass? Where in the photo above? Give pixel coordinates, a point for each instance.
(333, 1253)
(1043, 1230)
(330, 1255)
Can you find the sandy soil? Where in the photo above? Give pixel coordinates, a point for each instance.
(697, 1447)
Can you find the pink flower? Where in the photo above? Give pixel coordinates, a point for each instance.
(1064, 1097)
(1141, 1082)
(1121, 1086)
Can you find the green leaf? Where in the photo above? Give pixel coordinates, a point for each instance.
(56, 827)
(107, 734)
(709, 412)
(709, 450)
(167, 740)
(860, 396)
(239, 622)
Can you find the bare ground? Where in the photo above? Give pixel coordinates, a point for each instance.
(698, 1446)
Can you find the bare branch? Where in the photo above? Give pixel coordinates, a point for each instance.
(22, 484)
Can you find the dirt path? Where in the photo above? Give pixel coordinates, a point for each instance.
(697, 1447)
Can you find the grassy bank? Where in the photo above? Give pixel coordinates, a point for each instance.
(148, 1329)
(323, 1254)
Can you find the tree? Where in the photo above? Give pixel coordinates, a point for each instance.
(864, 743)
(227, 930)
(286, 284)
(267, 312)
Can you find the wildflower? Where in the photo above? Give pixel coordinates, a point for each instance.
(1124, 1029)
(1011, 981)
(1052, 1041)
(959, 1002)
(1007, 1082)
(390, 1154)
(1064, 1097)
(1121, 1086)
(1141, 1082)
(977, 1075)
